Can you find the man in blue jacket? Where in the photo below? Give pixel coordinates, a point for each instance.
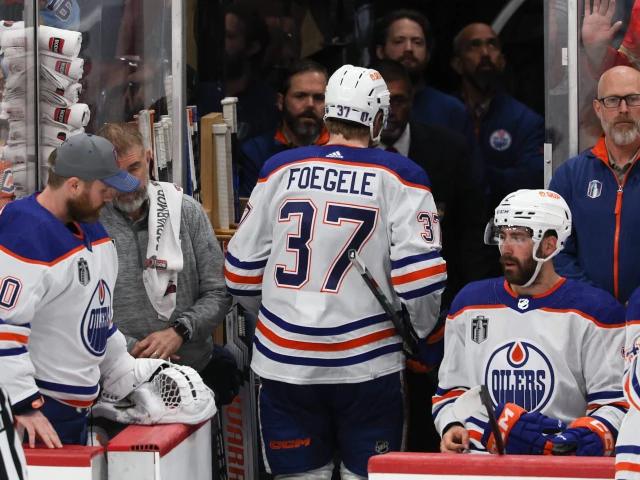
(301, 101)
(511, 136)
(602, 188)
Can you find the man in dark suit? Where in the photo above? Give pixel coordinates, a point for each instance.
(443, 154)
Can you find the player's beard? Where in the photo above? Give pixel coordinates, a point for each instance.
(415, 68)
(486, 76)
(306, 132)
(621, 134)
(130, 202)
(521, 274)
(80, 211)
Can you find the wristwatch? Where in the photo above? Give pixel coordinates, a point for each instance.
(182, 330)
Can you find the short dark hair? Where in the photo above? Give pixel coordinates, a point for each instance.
(382, 29)
(255, 27)
(301, 66)
(392, 70)
(123, 136)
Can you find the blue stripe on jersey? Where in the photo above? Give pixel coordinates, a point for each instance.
(406, 169)
(112, 330)
(62, 388)
(323, 331)
(440, 392)
(634, 382)
(244, 293)
(437, 408)
(611, 428)
(477, 422)
(631, 449)
(24, 325)
(423, 292)
(11, 352)
(604, 396)
(414, 259)
(245, 265)
(326, 362)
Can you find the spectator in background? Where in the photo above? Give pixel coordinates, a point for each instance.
(301, 102)
(7, 188)
(247, 37)
(511, 136)
(444, 156)
(201, 298)
(602, 188)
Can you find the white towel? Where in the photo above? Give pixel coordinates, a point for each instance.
(52, 135)
(17, 154)
(19, 37)
(54, 80)
(6, 25)
(45, 151)
(14, 51)
(18, 107)
(15, 64)
(77, 115)
(59, 97)
(72, 68)
(57, 40)
(164, 253)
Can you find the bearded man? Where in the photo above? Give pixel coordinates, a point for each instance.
(601, 186)
(301, 101)
(170, 293)
(510, 135)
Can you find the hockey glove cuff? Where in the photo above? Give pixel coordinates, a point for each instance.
(523, 433)
(586, 436)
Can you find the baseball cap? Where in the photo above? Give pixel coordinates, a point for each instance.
(7, 187)
(89, 157)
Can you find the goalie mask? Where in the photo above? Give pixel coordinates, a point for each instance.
(357, 94)
(538, 211)
(175, 394)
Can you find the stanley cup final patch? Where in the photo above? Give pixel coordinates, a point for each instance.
(83, 272)
(595, 189)
(479, 329)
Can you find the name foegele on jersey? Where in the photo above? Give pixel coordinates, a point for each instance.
(350, 181)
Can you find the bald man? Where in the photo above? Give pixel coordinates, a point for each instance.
(511, 136)
(602, 188)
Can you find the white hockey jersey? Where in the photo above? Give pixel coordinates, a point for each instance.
(318, 321)
(56, 329)
(558, 353)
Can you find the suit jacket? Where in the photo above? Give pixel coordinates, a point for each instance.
(443, 154)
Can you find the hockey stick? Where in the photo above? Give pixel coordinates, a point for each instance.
(405, 331)
(470, 402)
(486, 401)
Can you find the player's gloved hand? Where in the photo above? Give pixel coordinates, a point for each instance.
(431, 349)
(586, 436)
(221, 375)
(523, 433)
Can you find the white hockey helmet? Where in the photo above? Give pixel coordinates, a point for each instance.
(357, 94)
(538, 210)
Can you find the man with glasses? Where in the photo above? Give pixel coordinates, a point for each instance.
(601, 186)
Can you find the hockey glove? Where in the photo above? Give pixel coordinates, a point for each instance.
(523, 433)
(585, 437)
(431, 349)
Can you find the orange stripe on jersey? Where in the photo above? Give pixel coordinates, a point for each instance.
(627, 389)
(57, 260)
(346, 164)
(582, 314)
(446, 396)
(324, 347)
(627, 466)
(257, 280)
(437, 336)
(13, 337)
(77, 403)
(470, 307)
(509, 290)
(477, 436)
(633, 322)
(419, 275)
(593, 406)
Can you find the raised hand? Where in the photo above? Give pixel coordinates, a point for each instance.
(597, 31)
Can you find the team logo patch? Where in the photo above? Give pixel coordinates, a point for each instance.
(479, 329)
(94, 329)
(62, 115)
(520, 373)
(83, 272)
(595, 189)
(523, 303)
(382, 446)
(500, 140)
(156, 264)
(63, 67)
(56, 44)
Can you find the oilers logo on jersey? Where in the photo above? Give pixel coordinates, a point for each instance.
(94, 328)
(520, 373)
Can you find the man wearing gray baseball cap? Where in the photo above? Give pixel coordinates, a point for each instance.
(59, 268)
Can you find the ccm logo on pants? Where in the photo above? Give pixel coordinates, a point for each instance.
(278, 445)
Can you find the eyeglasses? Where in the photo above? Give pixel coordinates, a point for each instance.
(632, 100)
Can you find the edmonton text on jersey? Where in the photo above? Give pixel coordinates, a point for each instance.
(355, 182)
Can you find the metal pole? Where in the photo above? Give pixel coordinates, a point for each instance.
(31, 21)
(178, 93)
(572, 73)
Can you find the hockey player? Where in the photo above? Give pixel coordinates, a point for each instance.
(628, 444)
(57, 338)
(329, 359)
(547, 348)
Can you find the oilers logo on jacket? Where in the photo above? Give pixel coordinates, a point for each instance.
(558, 353)
(318, 322)
(56, 328)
